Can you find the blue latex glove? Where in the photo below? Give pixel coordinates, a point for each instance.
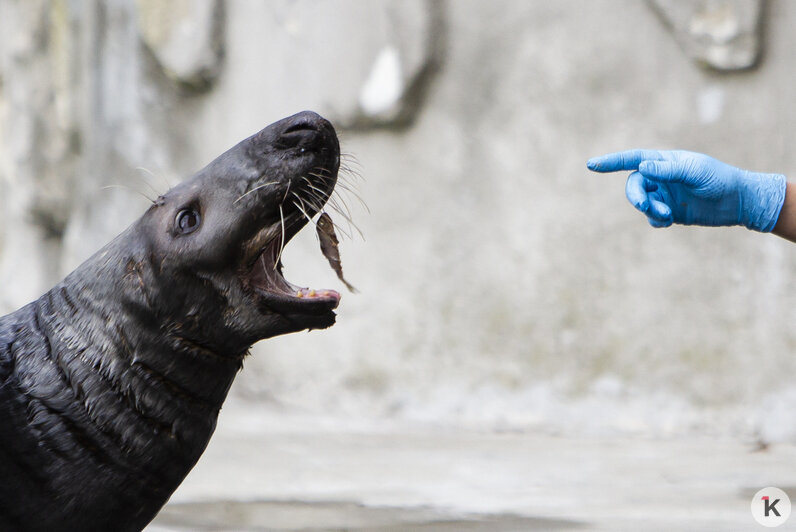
(694, 189)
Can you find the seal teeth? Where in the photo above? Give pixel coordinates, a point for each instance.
(311, 293)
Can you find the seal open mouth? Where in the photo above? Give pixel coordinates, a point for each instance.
(308, 161)
(276, 293)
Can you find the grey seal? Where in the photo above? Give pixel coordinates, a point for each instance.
(112, 381)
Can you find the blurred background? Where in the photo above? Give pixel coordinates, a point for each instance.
(512, 305)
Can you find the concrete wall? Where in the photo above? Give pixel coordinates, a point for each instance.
(502, 285)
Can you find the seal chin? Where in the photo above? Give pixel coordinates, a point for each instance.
(311, 308)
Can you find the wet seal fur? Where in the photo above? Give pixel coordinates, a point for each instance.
(111, 382)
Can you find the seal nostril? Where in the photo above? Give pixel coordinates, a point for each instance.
(301, 126)
(303, 134)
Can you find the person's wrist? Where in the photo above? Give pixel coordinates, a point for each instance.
(761, 200)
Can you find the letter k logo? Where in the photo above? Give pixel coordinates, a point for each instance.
(770, 506)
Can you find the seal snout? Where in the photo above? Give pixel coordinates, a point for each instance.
(301, 157)
(305, 130)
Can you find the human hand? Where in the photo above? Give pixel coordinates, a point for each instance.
(694, 189)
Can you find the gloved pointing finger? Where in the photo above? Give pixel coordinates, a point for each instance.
(694, 189)
(623, 160)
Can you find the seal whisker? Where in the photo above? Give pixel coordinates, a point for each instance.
(343, 210)
(351, 165)
(337, 196)
(347, 232)
(348, 219)
(150, 172)
(322, 192)
(320, 173)
(326, 180)
(348, 187)
(350, 176)
(332, 201)
(301, 208)
(123, 187)
(346, 214)
(339, 203)
(282, 243)
(317, 208)
(262, 261)
(339, 227)
(350, 157)
(289, 182)
(348, 171)
(351, 187)
(353, 192)
(146, 182)
(322, 169)
(255, 189)
(319, 200)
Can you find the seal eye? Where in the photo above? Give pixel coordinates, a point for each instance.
(188, 221)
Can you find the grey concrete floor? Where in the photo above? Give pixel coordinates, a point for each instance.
(264, 471)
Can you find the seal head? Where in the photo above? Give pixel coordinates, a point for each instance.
(219, 235)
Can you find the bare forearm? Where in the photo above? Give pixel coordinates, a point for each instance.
(786, 223)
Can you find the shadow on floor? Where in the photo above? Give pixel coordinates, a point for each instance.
(291, 516)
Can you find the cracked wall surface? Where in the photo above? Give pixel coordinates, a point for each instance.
(724, 35)
(501, 284)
